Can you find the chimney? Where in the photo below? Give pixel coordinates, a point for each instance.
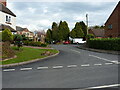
(3, 2)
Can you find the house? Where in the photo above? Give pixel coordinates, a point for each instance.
(112, 25)
(98, 33)
(27, 33)
(7, 18)
(41, 36)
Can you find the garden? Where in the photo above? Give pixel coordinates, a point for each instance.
(13, 45)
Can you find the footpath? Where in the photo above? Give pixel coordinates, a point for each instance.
(98, 50)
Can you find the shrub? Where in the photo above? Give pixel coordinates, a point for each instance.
(105, 43)
(90, 36)
(7, 52)
(7, 35)
(31, 43)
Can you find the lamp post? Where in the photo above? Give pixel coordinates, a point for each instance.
(87, 22)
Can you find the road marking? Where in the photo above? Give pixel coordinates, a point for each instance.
(75, 51)
(85, 65)
(42, 67)
(116, 62)
(108, 63)
(5, 70)
(105, 86)
(70, 66)
(22, 69)
(55, 67)
(98, 64)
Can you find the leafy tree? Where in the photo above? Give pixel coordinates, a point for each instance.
(18, 40)
(78, 30)
(60, 28)
(49, 36)
(84, 28)
(54, 31)
(24, 37)
(7, 35)
(64, 30)
(73, 33)
(90, 36)
(99, 27)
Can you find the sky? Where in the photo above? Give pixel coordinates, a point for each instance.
(40, 15)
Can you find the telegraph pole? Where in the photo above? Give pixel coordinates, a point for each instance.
(87, 22)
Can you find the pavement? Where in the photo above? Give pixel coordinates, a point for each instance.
(73, 68)
(84, 47)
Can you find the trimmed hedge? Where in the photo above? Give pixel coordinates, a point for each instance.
(31, 43)
(105, 43)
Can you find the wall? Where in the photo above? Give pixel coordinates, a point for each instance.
(114, 21)
(3, 20)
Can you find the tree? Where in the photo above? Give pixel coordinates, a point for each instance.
(89, 36)
(7, 35)
(84, 28)
(64, 30)
(78, 30)
(49, 36)
(60, 28)
(54, 31)
(18, 40)
(73, 33)
(24, 37)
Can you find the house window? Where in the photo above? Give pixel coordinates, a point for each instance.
(6, 18)
(110, 26)
(9, 19)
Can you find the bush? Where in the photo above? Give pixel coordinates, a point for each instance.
(90, 36)
(7, 52)
(31, 43)
(105, 43)
(7, 35)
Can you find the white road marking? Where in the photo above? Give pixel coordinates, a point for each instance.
(116, 62)
(105, 86)
(69, 66)
(108, 63)
(5, 70)
(57, 67)
(85, 65)
(42, 67)
(22, 69)
(75, 51)
(98, 64)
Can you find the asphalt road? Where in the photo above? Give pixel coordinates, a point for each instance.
(72, 68)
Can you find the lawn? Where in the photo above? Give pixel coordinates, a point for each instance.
(27, 54)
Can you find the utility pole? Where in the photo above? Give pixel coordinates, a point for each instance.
(87, 22)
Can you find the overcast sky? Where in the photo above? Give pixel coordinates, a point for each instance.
(40, 15)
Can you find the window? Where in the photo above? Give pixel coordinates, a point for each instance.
(9, 19)
(110, 26)
(6, 18)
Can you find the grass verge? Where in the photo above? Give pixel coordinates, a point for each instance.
(27, 54)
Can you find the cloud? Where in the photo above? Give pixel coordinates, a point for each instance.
(40, 15)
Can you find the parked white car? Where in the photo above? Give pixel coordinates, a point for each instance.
(78, 41)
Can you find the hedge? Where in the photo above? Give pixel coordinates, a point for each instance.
(31, 43)
(104, 43)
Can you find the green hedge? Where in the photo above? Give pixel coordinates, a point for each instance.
(105, 43)
(31, 43)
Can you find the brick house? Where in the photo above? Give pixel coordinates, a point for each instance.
(98, 33)
(112, 25)
(27, 33)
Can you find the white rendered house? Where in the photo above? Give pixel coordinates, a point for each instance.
(7, 18)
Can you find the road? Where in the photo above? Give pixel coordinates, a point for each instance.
(72, 68)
